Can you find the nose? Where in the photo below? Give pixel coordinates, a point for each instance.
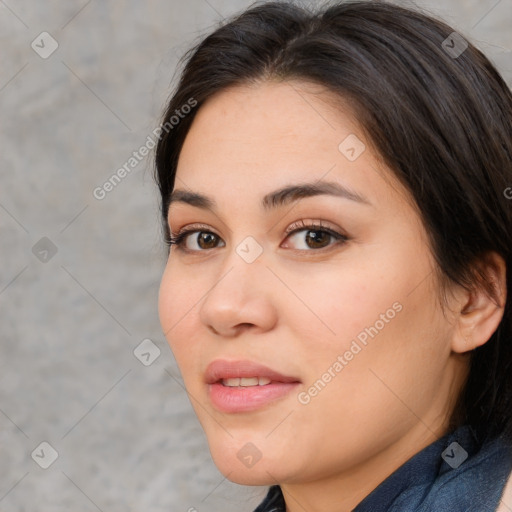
(240, 299)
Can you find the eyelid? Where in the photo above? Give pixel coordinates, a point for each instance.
(312, 224)
(187, 230)
(340, 238)
(300, 225)
(194, 227)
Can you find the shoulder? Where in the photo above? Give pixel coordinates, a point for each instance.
(506, 498)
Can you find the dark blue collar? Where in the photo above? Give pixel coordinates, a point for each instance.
(451, 475)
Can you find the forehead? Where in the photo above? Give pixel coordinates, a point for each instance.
(253, 138)
(275, 114)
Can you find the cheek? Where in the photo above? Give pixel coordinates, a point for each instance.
(371, 319)
(166, 300)
(370, 392)
(335, 304)
(177, 295)
(389, 349)
(176, 302)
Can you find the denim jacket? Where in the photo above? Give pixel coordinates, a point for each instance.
(451, 475)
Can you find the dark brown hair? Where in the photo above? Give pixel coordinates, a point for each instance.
(442, 123)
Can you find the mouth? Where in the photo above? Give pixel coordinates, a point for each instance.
(245, 382)
(244, 386)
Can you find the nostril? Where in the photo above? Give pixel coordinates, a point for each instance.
(234, 330)
(243, 327)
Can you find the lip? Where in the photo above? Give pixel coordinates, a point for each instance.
(224, 369)
(245, 399)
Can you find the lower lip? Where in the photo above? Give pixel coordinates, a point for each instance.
(250, 398)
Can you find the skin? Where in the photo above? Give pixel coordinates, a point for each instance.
(297, 308)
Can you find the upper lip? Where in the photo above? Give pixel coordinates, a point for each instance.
(223, 369)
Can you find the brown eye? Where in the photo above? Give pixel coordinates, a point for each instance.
(317, 239)
(195, 240)
(206, 240)
(313, 237)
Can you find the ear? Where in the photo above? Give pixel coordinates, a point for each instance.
(479, 315)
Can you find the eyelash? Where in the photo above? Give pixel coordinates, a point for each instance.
(179, 238)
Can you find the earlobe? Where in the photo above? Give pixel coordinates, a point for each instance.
(479, 313)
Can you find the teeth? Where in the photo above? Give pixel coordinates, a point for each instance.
(246, 382)
(232, 383)
(249, 381)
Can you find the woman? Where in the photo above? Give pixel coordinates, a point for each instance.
(333, 191)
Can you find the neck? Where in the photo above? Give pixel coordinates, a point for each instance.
(343, 492)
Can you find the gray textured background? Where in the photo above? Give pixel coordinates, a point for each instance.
(125, 433)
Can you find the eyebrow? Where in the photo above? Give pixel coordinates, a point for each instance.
(277, 198)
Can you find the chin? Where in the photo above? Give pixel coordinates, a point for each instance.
(259, 474)
(242, 462)
(250, 478)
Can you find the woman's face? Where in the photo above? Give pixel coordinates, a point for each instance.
(306, 351)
